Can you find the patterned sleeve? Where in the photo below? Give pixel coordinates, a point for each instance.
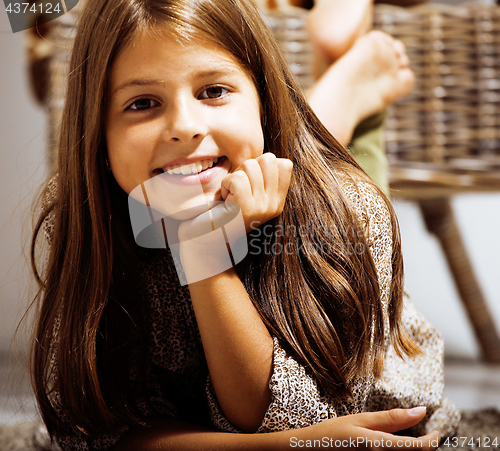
(375, 221)
(296, 400)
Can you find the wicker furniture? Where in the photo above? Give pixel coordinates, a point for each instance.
(444, 138)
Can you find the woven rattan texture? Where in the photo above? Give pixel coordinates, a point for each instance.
(451, 120)
(288, 25)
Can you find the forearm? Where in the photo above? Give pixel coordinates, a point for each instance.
(169, 434)
(237, 346)
(163, 434)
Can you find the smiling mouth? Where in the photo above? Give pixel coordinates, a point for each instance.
(190, 169)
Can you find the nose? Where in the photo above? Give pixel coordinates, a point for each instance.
(185, 121)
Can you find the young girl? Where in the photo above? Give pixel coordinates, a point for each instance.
(300, 336)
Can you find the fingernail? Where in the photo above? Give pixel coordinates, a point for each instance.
(417, 410)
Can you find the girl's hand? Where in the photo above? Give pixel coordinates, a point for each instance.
(253, 194)
(370, 431)
(257, 189)
(355, 430)
(259, 186)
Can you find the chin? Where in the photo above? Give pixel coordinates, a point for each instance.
(189, 213)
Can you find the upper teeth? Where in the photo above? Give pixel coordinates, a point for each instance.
(193, 168)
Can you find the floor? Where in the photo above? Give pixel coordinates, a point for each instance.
(470, 384)
(16, 397)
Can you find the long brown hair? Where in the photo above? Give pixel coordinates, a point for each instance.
(301, 295)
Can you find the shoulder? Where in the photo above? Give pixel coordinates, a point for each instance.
(368, 204)
(375, 219)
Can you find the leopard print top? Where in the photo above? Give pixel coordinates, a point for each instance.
(178, 383)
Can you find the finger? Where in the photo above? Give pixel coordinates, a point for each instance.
(391, 420)
(252, 169)
(285, 168)
(236, 187)
(229, 180)
(432, 438)
(407, 78)
(270, 174)
(404, 60)
(399, 46)
(223, 213)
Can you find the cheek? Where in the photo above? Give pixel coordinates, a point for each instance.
(245, 129)
(255, 128)
(257, 135)
(117, 142)
(259, 143)
(131, 145)
(129, 157)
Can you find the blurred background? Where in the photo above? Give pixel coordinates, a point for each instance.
(23, 130)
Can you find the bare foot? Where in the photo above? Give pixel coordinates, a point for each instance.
(373, 74)
(335, 25)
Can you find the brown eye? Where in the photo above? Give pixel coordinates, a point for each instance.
(143, 104)
(214, 92)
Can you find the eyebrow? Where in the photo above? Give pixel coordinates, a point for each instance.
(219, 71)
(224, 71)
(137, 82)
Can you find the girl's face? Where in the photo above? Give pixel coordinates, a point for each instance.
(185, 109)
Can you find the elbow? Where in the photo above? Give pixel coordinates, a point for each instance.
(247, 415)
(247, 422)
